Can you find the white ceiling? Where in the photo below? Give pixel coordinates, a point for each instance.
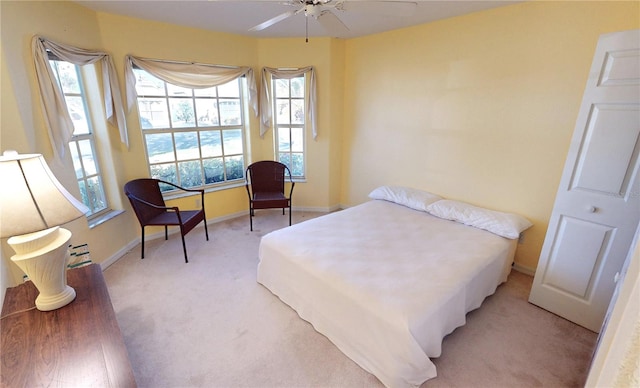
(237, 16)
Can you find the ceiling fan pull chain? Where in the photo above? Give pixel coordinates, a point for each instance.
(306, 28)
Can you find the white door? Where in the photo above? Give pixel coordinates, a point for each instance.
(597, 207)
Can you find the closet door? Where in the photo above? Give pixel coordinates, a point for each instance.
(597, 207)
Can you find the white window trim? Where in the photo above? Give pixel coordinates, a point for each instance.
(198, 76)
(266, 119)
(56, 114)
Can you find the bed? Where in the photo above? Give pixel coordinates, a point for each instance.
(386, 282)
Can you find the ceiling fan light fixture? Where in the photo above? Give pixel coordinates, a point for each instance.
(312, 10)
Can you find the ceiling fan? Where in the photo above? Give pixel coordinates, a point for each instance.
(324, 12)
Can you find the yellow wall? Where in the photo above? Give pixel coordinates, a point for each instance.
(165, 41)
(320, 191)
(22, 125)
(479, 108)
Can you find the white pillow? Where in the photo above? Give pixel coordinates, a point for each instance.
(503, 224)
(413, 198)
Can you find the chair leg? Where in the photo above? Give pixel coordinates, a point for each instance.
(206, 232)
(289, 215)
(166, 235)
(251, 219)
(184, 248)
(142, 243)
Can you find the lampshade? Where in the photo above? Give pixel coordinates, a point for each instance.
(31, 198)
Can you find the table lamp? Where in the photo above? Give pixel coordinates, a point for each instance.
(32, 206)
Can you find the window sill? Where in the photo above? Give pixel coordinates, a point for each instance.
(180, 194)
(104, 218)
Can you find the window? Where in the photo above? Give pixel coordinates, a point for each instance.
(193, 137)
(289, 123)
(82, 144)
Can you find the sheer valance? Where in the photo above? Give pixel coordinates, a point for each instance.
(54, 106)
(188, 75)
(265, 96)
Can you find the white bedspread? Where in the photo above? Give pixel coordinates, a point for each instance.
(384, 283)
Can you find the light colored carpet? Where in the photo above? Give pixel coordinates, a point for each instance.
(210, 324)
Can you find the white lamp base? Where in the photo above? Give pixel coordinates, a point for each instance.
(43, 257)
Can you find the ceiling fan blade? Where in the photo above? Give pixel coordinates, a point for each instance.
(392, 8)
(273, 21)
(332, 24)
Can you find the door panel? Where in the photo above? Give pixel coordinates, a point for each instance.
(597, 207)
(621, 68)
(610, 145)
(575, 260)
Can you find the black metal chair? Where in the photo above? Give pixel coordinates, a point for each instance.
(148, 204)
(267, 179)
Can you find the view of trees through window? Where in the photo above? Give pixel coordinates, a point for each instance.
(193, 137)
(289, 106)
(82, 145)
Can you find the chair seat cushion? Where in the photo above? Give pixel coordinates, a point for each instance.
(190, 218)
(268, 200)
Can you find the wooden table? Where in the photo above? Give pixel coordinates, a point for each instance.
(78, 345)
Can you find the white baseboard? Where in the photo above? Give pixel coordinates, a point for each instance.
(524, 270)
(121, 252)
(317, 209)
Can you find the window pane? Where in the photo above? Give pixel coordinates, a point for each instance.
(232, 141)
(182, 114)
(283, 112)
(148, 85)
(297, 142)
(160, 147)
(210, 143)
(230, 112)
(84, 194)
(165, 172)
(153, 113)
(285, 158)
(192, 136)
(290, 119)
(297, 111)
(284, 139)
(297, 87)
(96, 194)
(230, 89)
(207, 110)
(235, 167)
(81, 146)
(297, 165)
(190, 175)
(77, 166)
(282, 88)
(207, 92)
(187, 145)
(75, 105)
(88, 160)
(174, 90)
(68, 77)
(213, 170)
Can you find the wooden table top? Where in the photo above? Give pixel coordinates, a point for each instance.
(77, 345)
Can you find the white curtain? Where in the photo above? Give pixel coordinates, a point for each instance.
(54, 106)
(188, 75)
(265, 95)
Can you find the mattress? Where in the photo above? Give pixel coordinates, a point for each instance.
(385, 283)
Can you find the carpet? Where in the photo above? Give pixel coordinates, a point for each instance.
(208, 323)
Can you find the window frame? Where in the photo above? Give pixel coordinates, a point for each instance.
(290, 125)
(74, 146)
(219, 130)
